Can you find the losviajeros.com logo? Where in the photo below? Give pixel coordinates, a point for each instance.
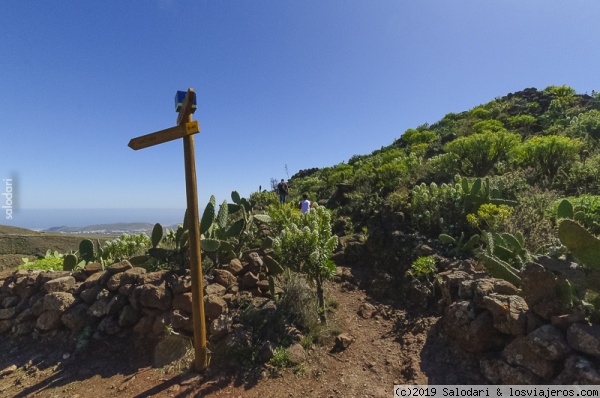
(8, 198)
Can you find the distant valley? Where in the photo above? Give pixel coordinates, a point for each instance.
(106, 229)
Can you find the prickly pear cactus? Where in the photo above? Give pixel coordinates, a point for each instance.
(86, 250)
(584, 245)
(69, 262)
(565, 209)
(157, 235)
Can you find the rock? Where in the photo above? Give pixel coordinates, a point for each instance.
(450, 282)
(296, 354)
(11, 301)
(23, 329)
(76, 318)
(220, 327)
(144, 325)
(49, 320)
(170, 349)
(215, 288)
(128, 316)
(509, 312)
(182, 321)
(255, 263)
(263, 286)
(457, 317)
(100, 307)
(519, 352)
(499, 372)
(121, 266)
(62, 284)
(541, 291)
(183, 302)
(214, 306)
(8, 370)
(126, 289)
(44, 277)
(5, 326)
(182, 284)
(95, 279)
(114, 282)
(549, 343)
(343, 341)
(563, 322)
(423, 250)
(235, 267)
(482, 336)
(584, 338)
(155, 278)
(155, 296)
(159, 328)
(484, 287)
(367, 310)
(133, 276)
(8, 313)
(116, 303)
(249, 280)
(224, 278)
(25, 316)
(578, 370)
(109, 325)
(89, 295)
(58, 301)
(266, 351)
(92, 268)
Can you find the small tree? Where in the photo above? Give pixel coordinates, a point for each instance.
(548, 154)
(480, 152)
(306, 246)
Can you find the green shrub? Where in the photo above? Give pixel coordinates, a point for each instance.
(308, 247)
(281, 358)
(423, 268)
(44, 264)
(494, 216)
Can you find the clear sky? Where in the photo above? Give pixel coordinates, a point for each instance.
(297, 83)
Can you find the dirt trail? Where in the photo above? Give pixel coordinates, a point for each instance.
(390, 347)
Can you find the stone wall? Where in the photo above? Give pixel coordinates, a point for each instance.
(123, 297)
(531, 335)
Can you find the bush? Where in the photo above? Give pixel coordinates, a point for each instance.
(308, 247)
(299, 303)
(532, 218)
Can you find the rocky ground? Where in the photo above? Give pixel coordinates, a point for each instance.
(386, 345)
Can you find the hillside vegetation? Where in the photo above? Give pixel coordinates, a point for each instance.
(486, 183)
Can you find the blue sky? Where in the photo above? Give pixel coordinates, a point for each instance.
(303, 84)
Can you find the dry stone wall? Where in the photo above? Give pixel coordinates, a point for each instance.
(520, 336)
(124, 298)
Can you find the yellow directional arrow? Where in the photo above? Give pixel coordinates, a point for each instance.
(166, 135)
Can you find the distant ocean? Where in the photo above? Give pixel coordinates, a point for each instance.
(47, 218)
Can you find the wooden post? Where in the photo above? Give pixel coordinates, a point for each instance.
(185, 129)
(201, 353)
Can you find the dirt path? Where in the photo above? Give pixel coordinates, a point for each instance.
(390, 347)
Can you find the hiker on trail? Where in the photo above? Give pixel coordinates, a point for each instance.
(282, 188)
(305, 204)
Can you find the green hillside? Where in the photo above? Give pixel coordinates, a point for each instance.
(499, 168)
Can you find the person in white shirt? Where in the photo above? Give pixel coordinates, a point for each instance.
(305, 204)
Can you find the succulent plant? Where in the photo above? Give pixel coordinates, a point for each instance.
(69, 262)
(157, 235)
(582, 243)
(86, 250)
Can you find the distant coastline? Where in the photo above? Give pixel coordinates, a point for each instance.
(74, 220)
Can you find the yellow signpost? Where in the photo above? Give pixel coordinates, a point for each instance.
(185, 104)
(166, 135)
